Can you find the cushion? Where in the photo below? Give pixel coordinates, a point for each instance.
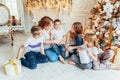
(4, 30)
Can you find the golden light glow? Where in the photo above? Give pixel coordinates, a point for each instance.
(50, 4)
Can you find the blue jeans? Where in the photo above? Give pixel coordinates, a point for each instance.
(75, 58)
(52, 56)
(79, 64)
(79, 41)
(32, 59)
(60, 50)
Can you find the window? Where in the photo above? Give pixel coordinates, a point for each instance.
(12, 5)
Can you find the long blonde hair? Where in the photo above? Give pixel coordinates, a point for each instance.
(91, 38)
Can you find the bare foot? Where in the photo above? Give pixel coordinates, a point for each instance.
(71, 63)
(61, 59)
(115, 67)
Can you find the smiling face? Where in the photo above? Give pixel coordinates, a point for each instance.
(72, 30)
(90, 40)
(57, 25)
(47, 27)
(77, 28)
(37, 34)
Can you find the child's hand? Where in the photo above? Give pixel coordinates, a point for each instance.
(56, 42)
(88, 52)
(77, 54)
(79, 48)
(61, 42)
(17, 58)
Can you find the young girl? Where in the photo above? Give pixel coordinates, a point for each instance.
(34, 49)
(45, 24)
(90, 46)
(73, 38)
(98, 60)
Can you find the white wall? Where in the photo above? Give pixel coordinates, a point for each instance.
(80, 12)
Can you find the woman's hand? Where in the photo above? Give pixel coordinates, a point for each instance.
(94, 56)
(69, 48)
(67, 53)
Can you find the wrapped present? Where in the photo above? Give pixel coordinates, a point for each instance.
(13, 67)
(117, 57)
(84, 58)
(117, 60)
(115, 53)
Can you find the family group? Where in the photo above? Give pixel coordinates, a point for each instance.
(49, 42)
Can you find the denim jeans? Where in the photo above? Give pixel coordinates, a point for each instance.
(79, 41)
(60, 50)
(75, 58)
(32, 59)
(52, 56)
(79, 64)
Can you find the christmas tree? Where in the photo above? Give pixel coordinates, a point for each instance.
(105, 20)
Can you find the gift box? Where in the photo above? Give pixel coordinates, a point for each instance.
(115, 53)
(13, 67)
(84, 58)
(116, 58)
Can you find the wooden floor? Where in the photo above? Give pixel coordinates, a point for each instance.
(48, 71)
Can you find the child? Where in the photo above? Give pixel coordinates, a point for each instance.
(90, 46)
(34, 49)
(58, 34)
(97, 60)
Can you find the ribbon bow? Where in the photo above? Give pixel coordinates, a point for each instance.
(12, 62)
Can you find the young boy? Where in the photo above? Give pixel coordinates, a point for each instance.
(58, 34)
(34, 49)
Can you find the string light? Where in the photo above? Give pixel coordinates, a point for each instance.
(50, 4)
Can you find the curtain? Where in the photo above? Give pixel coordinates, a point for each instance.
(2, 1)
(21, 12)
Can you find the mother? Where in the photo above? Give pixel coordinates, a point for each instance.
(46, 24)
(74, 38)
